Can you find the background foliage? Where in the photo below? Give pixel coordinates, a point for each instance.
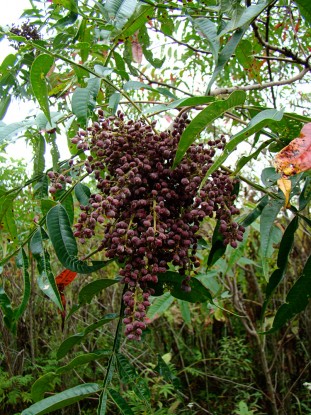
(243, 347)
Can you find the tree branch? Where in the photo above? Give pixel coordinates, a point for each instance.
(222, 91)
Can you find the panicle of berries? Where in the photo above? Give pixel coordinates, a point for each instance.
(26, 30)
(151, 214)
(58, 180)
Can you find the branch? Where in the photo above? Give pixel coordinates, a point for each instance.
(284, 51)
(221, 91)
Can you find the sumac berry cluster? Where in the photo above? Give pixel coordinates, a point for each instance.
(147, 213)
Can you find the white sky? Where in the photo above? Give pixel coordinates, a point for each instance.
(19, 110)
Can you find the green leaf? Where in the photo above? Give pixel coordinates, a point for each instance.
(9, 224)
(143, 13)
(8, 131)
(46, 280)
(4, 105)
(39, 69)
(67, 4)
(173, 282)
(39, 160)
(245, 18)
(284, 251)
(83, 193)
(225, 55)
(245, 159)
(185, 311)
(209, 30)
(297, 299)
(254, 214)
(84, 100)
(119, 11)
(260, 121)
(22, 262)
(65, 244)
(268, 216)
(121, 403)
(83, 359)
(218, 247)
(164, 371)
(144, 41)
(45, 383)
(90, 290)
(203, 119)
(160, 305)
(179, 103)
(5, 305)
(305, 195)
(129, 376)
(71, 341)
(62, 399)
(305, 10)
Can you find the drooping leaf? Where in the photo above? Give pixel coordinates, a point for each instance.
(260, 121)
(6, 306)
(252, 216)
(304, 8)
(268, 216)
(179, 103)
(305, 195)
(39, 69)
(284, 251)
(297, 299)
(65, 244)
(129, 376)
(83, 359)
(84, 100)
(173, 282)
(44, 383)
(160, 305)
(209, 30)
(67, 4)
(82, 193)
(120, 402)
(62, 399)
(46, 280)
(23, 263)
(4, 105)
(163, 369)
(71, 341)
(226, 53)
(39, 160)
(7, 131)
(185, 311)
(89, 291)
(246, 17)
(218, 247)
(203, 119)
(119, 11)
(144, 43)
(296, 157)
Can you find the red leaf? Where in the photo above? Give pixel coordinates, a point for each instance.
(296, 157)
(65, 278)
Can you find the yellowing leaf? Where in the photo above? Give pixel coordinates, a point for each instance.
(285, 185)
(296, 157)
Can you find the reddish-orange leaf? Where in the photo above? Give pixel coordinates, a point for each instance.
(65, 278)
(296, 157)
